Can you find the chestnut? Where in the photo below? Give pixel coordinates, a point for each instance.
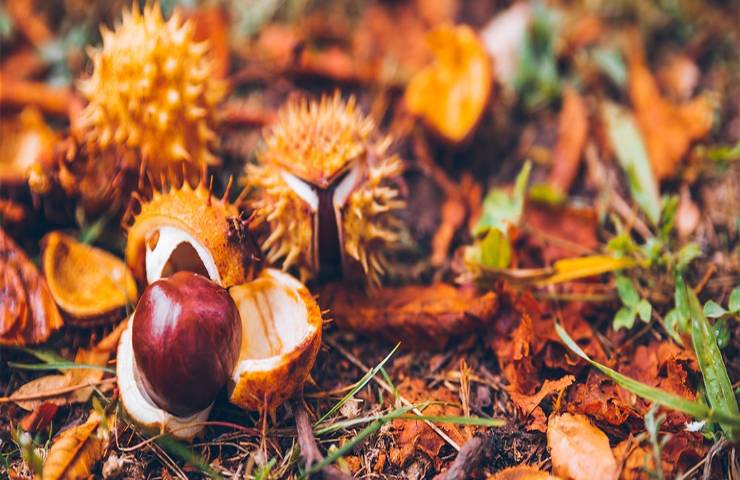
(186, 338)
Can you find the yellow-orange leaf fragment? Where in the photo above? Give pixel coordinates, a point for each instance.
(668, 129)
(77, 450)
(451, 93)
(579, 450)
(522, 472)
(569, 269)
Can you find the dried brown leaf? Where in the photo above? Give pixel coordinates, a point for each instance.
(28, 314)
(668, 129)
(636, 460)
(417, 436)
(59, 389)
(527, 403)
(76, 451)
(420, 316)
(522, 472)
(579, 450)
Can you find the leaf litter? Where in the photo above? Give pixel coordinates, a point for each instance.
(563, 294)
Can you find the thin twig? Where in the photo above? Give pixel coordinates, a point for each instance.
(307, 442)
(466, 461)
(390, 390)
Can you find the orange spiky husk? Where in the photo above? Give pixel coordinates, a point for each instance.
(218, 225)
(320, 142)
(316, 140)
(152, 90)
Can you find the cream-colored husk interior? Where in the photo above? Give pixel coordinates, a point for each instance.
(274, 320)
(140, 408)
(177, 250)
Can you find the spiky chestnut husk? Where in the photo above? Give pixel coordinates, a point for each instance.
(77, 178)
(153, 90)
(324, 181)
(216, 229)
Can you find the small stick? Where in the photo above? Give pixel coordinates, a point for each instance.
(19, 93)
(307, 442)
(466, 461)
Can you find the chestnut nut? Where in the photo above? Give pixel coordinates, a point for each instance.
(186, 337)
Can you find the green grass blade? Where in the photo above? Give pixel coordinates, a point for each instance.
(367, 419)
(475, 421)
(360, 385)
(64, 365)
(716, 380)
(695, 409)
(45, 355)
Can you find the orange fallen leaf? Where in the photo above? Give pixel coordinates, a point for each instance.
(420, 316)
(635, 459)
(451, 94)
(522, 472)
(76, 450)
(579, 450)
(414, 436)
(668, 129)
(46, 387)
(527, 403)
(572, 131)
(212, 24)
(40, 418)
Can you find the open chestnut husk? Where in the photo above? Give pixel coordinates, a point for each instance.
(188, 228)
(282, 335)
(178, 352)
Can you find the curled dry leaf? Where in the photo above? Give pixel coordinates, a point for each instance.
(451, 94)
(635, 459)
(522, 472)
(419, 316)
(58, 389)
(527, 403)
(76, 451)
(668, 129)
(90, 285)
(572, 131)
(579, 450)
(28, 314)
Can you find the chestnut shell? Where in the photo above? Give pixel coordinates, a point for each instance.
(186, 337)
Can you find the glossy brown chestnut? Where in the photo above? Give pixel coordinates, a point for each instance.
(186, 337)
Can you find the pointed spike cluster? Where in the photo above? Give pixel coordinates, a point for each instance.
(146, 57)
(314, 140)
